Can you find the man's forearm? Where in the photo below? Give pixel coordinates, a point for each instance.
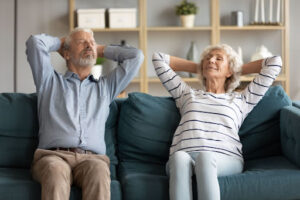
(100, 50)
(179, 64)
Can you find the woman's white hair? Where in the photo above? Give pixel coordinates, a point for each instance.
(235, 63)
(69, 37)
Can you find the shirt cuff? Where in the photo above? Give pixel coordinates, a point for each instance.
(56, 44)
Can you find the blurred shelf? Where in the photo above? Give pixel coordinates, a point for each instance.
(250, 78)
(195, 80)
(143, 35)
(178, 28)
(116, 29)
(249, 28)
(188, 80)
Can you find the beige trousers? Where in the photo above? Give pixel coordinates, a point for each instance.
(56, 171)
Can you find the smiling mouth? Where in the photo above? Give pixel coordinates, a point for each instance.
(211, 68)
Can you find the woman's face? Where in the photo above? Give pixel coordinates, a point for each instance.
(215, 65)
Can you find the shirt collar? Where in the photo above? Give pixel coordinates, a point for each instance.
(69, 74)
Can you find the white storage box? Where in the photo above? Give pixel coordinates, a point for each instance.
(91, 18)
(122, 17)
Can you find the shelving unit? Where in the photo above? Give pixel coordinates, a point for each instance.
(215, 30)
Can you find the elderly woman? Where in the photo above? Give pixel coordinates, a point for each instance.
(206, 142)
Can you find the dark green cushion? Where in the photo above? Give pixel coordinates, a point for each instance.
(290, 133)
(16, 184)
(260, 132)
(18, 115)
(146, 127)
(268, 178)
(296, 104)
(18, 129)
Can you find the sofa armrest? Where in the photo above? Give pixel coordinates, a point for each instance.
(290, 133)
(296, 104)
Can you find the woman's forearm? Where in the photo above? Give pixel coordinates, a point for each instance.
(252, 67)
(180, 64)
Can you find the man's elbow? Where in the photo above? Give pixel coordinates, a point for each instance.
(140, 56)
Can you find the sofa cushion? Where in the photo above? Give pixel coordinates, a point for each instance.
(273, 178)
(146, 127)
(260, 132)
(268, 178)
(18, 129)
(16, 184)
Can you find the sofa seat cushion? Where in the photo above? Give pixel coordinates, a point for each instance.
(269, 178)
(137, 186)
(16, 184)
(141, 168)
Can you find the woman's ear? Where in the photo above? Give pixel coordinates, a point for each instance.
(229, 74)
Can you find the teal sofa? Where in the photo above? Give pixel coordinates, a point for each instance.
(139, 132)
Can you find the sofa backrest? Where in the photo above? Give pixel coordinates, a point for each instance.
(19, 130)
(147, 124)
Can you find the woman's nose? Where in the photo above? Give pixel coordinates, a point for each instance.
(212, 60)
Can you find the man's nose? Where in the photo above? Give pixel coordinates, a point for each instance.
(88, 44)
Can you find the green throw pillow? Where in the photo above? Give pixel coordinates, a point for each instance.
(260, 132)
(146, 127)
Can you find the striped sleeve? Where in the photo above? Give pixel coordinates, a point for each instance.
(170, 80)
(255, 91)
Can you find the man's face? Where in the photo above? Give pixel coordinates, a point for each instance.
(83, 49)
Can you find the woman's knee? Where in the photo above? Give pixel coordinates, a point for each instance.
(181, 157)
(205, 159)
(180, 160)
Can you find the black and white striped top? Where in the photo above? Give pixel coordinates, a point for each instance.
(209, 121)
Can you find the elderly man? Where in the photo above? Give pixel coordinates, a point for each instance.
(72, 111)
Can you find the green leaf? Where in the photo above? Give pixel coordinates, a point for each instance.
(100, 61)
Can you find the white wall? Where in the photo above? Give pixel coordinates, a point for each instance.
(37, 16)
(7, 46)
(295, 49)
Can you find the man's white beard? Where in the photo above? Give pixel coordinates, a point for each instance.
(85, 62)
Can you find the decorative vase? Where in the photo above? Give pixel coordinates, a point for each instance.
(193, 55)
(261, 53)
(187, 20)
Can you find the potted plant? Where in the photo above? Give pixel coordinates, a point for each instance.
(187, 11)
(96, 70)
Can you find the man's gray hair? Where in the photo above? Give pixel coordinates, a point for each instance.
(69, 37)
(235, 64)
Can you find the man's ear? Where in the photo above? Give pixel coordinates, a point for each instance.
(66, 54)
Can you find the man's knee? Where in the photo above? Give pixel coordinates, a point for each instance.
(97, 168)
(53, 169)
